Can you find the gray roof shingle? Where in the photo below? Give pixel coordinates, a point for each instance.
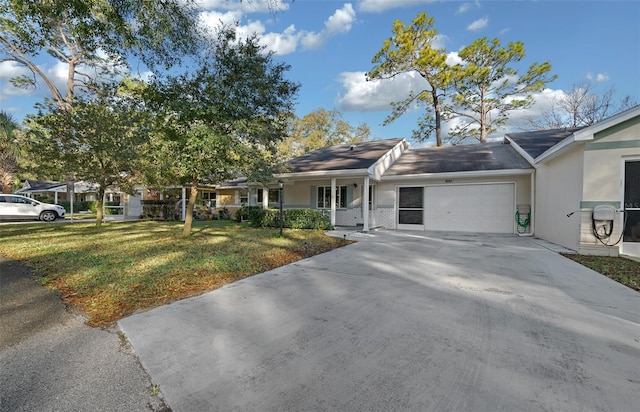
(343, 156)
(462, 158)
(537, 142)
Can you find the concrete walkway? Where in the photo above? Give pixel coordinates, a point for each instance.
(402, 321)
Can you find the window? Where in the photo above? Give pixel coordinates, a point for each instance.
(632, 201)
(16, 199)
(274, 195)
(324, 197)
(209, 199)
(244, 197)
(410, 205)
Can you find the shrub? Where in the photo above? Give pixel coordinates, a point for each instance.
(92, 206)
(292, 218)
(159, 209)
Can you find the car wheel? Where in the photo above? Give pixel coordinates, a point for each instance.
(48, 216)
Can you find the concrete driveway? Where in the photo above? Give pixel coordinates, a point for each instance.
(402, 321)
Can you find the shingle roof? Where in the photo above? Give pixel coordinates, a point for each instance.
(36, 185)
(343, 156)
(462, 158)
(537, 142)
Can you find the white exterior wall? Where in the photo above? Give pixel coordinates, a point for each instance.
(603, 183)
(558, 193)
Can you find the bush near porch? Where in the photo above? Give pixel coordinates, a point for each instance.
(291, 218)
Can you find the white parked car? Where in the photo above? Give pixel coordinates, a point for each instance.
(20, 207)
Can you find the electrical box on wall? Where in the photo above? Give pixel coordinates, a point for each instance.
(604, 212)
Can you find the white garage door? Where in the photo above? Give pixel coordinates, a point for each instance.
(487, 208)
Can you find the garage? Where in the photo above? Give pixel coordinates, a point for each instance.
(484, 207)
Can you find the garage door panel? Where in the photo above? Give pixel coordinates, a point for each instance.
(485, 208)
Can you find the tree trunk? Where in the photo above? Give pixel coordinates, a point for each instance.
(99, 214)
(436, 109)
(483, 124)
(191, 204)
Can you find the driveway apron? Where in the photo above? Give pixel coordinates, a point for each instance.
(402, 321)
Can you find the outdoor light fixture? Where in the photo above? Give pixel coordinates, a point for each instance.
(281, 184)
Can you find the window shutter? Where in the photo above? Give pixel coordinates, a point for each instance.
(314, 197)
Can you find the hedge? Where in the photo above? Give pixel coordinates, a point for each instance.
(292, 218)
(92, 206)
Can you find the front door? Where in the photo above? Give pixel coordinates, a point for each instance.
(631, 196)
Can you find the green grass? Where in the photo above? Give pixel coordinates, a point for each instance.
(123, 267)
(620, 269)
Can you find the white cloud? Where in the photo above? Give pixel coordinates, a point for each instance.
(286, 42)
(214, 19)
(281, 43)
(378, 6)
(439, 41)
(339, 22)
(453, 58)
(245, 6)
(465, 7)
(598, 78)
(478, 24)
(362, 95)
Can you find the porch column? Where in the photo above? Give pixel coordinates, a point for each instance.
(184, 203)
(333, 201)
(365, 205)
(55, 197)
(265, 197)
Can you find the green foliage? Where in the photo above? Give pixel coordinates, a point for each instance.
(9, 151)
(159, 209)
(487, 87)
(410, 50)
(318, 129)
(222, 118)
(87, 205)
(93, 37)
(98, 140)
(292, 218)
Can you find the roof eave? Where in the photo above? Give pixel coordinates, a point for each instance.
(588, 133)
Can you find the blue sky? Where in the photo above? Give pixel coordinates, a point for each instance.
(329, 45)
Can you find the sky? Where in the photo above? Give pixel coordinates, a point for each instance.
(329, 46)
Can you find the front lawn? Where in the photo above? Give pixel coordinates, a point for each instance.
(111, 272)
(620, 269)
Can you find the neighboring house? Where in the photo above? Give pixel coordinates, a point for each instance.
(40, 189)
(580, 169)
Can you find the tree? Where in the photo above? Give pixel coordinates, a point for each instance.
(581, 106)
(92, 38)
(9, 151)
(320, 128)
(99, 140)
(411, 50)
(487, 87)
(225, 117)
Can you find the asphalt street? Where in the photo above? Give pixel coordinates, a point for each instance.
(51, 361)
